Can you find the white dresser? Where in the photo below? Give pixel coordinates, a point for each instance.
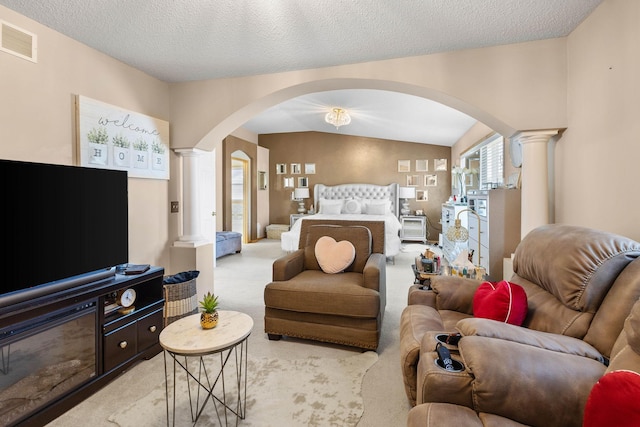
(499, 212)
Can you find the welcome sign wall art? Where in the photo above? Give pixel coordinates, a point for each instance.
(113, 138)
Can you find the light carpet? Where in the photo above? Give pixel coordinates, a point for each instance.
(239, 282)
(302, 392)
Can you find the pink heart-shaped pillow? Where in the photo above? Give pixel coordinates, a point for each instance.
(334, 257)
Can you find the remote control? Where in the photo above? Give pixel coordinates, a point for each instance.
(445, 357)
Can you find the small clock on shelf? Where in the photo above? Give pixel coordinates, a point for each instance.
(126, 298)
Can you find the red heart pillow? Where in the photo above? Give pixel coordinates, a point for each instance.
(613, 401)
(502, 301)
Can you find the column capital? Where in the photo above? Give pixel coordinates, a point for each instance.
(530, 136)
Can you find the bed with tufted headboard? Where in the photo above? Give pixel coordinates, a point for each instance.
(353, 202)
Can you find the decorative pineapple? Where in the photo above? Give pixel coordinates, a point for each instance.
(209, 315)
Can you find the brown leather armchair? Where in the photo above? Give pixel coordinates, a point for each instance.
(580, 284)
(344, 308)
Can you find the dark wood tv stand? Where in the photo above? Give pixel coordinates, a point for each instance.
(121, 339)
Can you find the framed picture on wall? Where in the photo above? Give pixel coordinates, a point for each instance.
(404, 165)
(110, 137)
(413, 180)
(422, 165)
(303, 182)
(440, 164)
(431, 180)
(309, 168)
(289, 182)
(422, 196)
(296, 168)
(281, 168)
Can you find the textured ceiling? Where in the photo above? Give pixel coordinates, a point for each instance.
(177, 40)
(184, 40)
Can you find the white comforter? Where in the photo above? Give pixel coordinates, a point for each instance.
(392, 243)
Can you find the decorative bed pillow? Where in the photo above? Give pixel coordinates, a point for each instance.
(613, 401)
(352, 206)
(378, 207)
(502, 301)
(358, 235)
(331, 207)
(334, 257)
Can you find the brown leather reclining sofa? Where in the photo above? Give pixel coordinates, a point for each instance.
(581, 285)
(625, 357)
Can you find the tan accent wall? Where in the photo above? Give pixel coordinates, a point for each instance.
(341, 159)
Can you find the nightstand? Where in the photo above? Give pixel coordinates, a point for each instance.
(413, 228)
(293, 218)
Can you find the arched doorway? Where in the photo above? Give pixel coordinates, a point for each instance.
(224, 131)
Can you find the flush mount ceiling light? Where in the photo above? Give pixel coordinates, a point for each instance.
(337, 117)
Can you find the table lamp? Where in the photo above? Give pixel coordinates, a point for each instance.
(299, 194)
(405, 194)
(458, 233)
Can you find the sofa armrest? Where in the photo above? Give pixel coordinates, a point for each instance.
(544, 340)
(374, 272)
(454, 293)
(445, 414)
(288, 266)
(530, 385)
(418, 296)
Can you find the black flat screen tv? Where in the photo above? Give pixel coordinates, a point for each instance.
(61, 224)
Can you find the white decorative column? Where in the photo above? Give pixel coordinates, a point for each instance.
(192, 251)
(191, 234)
(535, 178)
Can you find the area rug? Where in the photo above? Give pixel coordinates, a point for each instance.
(302, 392)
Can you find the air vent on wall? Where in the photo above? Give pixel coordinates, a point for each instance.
(18, 42)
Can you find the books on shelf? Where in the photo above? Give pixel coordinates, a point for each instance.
(111, 308)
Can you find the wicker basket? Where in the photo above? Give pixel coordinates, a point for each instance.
(274, 231)
(180, 300)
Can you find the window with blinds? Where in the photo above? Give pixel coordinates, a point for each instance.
(492, 163)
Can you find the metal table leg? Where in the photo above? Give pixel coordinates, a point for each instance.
(203, 382)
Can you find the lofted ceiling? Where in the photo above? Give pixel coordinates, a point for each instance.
(374, 114)
(187, 40)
